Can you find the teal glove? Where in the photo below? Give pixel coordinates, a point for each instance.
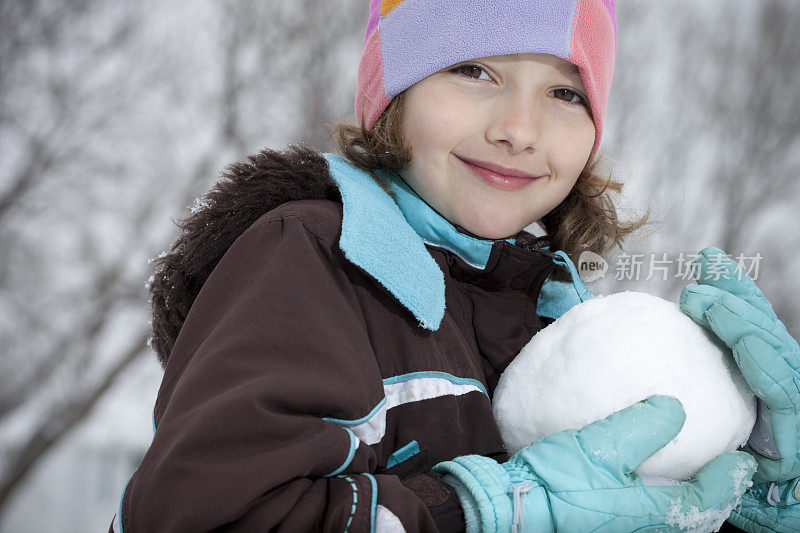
(769, 507)
(582, 480)
(735, 309)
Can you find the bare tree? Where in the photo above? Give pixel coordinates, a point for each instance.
(51, 105)
(88, 107)
(702, 105)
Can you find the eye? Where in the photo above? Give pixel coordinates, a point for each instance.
(470, 70)
(572, 97)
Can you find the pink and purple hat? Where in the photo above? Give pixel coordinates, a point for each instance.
(407, 40)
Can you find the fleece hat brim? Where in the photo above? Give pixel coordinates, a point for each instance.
(408, 40)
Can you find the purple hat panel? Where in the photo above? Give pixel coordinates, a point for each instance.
(421, 37)
(374, 16)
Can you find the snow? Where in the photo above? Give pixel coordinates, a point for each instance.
(200, 203)
(696, 521)
(613, 351)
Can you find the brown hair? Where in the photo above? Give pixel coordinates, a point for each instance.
(587, 219)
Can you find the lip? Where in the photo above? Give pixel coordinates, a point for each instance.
(498, 176)
(499, 170)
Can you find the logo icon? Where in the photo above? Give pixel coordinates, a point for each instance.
(591, 266)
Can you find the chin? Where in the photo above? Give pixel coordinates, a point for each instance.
(492, 231)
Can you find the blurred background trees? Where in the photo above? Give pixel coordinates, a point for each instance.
(114, 117)
(705, 127)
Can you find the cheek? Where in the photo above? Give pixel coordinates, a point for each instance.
(435, 122)
(573, 146)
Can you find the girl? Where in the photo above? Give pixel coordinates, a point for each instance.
(332, 328)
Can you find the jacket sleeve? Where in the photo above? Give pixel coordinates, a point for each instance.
(273, 356)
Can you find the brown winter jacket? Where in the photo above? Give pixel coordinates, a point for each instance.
(334, 354)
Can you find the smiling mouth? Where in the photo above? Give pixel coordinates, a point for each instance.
(499, 180)
(498, 170)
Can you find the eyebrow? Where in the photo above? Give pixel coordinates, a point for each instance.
(568, 69)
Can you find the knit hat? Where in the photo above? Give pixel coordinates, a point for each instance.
(408, 40)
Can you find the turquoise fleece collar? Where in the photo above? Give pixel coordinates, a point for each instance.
(376, 237)
(433, 228)
(387, 237)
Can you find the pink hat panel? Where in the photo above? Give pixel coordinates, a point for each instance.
(593, 49)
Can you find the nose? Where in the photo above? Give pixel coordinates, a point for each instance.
(516, 123)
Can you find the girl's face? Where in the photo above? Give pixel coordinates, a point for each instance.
(527, 113)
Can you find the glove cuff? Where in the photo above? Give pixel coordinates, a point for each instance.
(768, 507)
(485, 490)
(487, 484)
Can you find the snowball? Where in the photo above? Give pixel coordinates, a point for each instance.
(612, 351)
